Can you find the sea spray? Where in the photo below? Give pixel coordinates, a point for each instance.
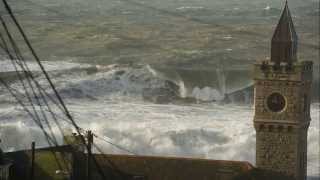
(194, 130)
(109, 102)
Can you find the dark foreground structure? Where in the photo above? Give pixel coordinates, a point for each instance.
(282, 118)
(126, 167)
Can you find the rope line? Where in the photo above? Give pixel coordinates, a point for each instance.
(40, 97)
(66, 111)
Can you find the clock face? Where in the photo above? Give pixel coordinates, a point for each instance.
(276, 102)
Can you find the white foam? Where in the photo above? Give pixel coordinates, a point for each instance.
(227, 37)
(267, 8)
(190, 8)
(206, 131)
(182, 89)
(116, 111)
(6, 65)
(207, 94)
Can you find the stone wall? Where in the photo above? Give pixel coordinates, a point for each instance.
(277, 150)
(281, 144)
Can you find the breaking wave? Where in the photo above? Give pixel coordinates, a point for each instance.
(110, 100)
(152, 84)
(96, 82)
(159, 85)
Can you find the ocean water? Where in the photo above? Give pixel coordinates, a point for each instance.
(164, 78)
(109, 101)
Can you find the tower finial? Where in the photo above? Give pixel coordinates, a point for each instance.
(284, 40)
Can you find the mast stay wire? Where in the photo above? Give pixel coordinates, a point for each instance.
(109, 142)
(113, 166)
(25, 65)
(119, 147)
(104, 139)
(50, 139)
(36, 117)
(32, 116)
(100, 137)
(113, 144)
(66, 111)
(25, 87)
(28, 75)
(51, 84)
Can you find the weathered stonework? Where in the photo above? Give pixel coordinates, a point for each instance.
(277, 150)
(282, 105)
(282, 135)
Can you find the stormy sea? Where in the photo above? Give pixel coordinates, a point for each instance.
(169, 78)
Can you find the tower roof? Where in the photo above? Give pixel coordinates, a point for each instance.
(285, 39)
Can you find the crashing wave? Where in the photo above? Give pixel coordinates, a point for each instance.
(148, 83)
(116, 81)
(159, 85)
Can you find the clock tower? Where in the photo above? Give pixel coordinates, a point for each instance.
(282, 104)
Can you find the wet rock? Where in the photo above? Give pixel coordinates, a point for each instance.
(244, 96)
(162, 95)
(119, 73)
(159, 95)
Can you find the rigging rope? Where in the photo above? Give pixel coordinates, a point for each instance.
(28, 75)
(66, 111)
(42, 92)
(113, 144)
(24, 86)
(50, 139)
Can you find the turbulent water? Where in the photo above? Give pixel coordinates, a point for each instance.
(109, 100)
(169, 77)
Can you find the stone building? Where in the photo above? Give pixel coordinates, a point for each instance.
(282, 104)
